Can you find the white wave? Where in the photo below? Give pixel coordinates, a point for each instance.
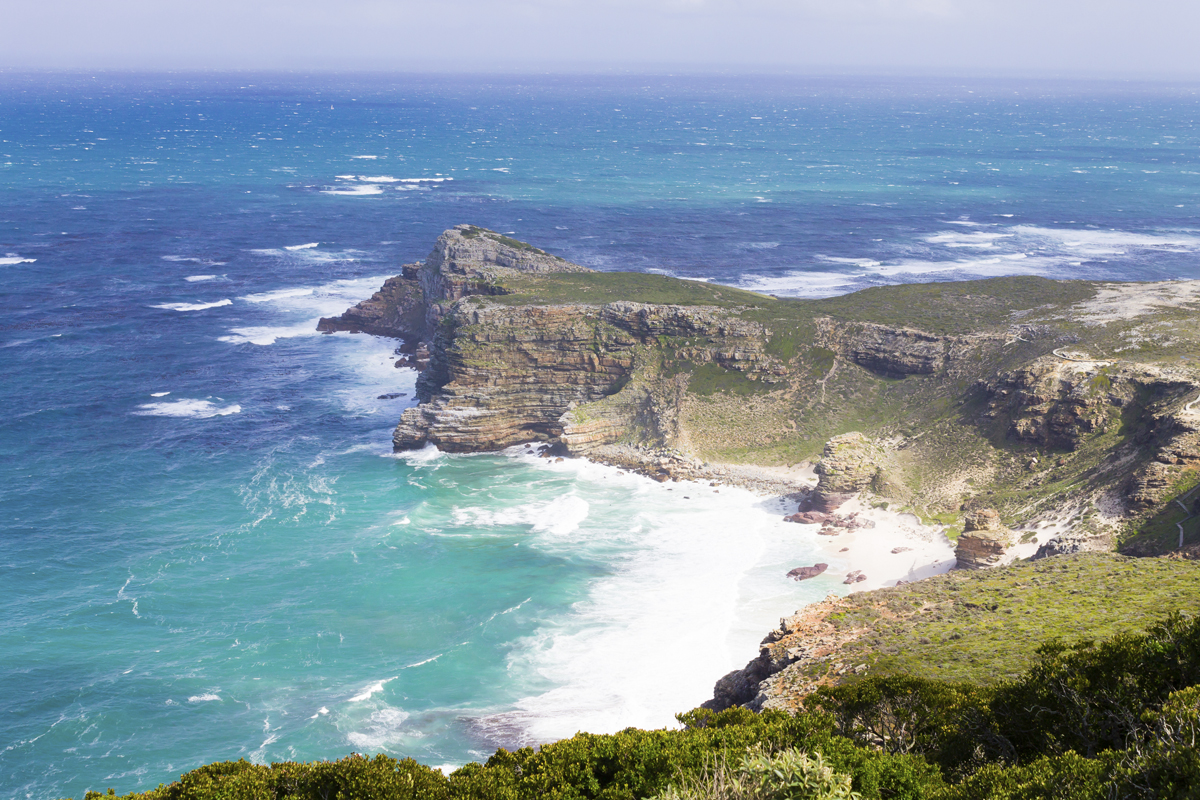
(14, 259)
(429, 454)
(962, 239)
(322, 711)
(424, 180)
(197, 409)
(426, 661)
(355, 191)
(204, 698)
(382, 728)
(802, 283)
(558, 517)
(185, 259)
(368, 158)
(858, 262)
(1097, 242)
(688, 571)
(193, 306)
(198, 278)
(378, 179)
(278, 294)
(264, 335)
(159, 394)
(370, 690)
(345, 177)
(308, 246)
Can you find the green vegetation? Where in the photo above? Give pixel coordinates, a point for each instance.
(986, 626)
(709, 379)
(1085, 722)
(609, 287)
(958, 307)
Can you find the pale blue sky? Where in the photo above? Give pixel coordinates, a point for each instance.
(1108, 38)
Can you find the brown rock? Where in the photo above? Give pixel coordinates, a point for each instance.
(984, 541)
(808, 517)
(848, 465)
(804, 573)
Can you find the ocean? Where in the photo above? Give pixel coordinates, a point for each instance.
(208, 550)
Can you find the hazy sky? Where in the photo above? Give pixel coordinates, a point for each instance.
(1111, 38)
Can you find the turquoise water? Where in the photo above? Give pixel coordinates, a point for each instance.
(208, 550)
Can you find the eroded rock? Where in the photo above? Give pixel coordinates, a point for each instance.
(984, 541)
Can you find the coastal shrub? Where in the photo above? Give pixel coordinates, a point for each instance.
(1065, 777)
(356, 776)
(761, 775)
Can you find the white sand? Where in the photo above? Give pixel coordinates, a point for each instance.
(870, 549)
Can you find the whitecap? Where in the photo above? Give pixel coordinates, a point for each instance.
(193, 306)
(368, 158)
(378, 179)
(196, 409)
(307, 246)
(264, 335)
(355, 191)
(558, 517)
(424, 180)
(159, 394)
(278, 294)
(370, 690)
(198, 278)
(204, 698)
(14, 259)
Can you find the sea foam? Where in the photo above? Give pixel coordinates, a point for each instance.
(197, 409)
(193, 306)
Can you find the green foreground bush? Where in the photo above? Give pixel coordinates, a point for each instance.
(1119, 719)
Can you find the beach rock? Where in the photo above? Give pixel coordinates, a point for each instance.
(984, 541)
(896, 550)
(804, 573)
(1072, 542)
(392, 396)
(854, 577)
(828, 530)
(848, 465)
(807, 517)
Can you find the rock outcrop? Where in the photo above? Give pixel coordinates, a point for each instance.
(984, 541)
(848, 465)
(466, 260)
(896, 352)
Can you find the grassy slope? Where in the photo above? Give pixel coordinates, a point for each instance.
(984, 627)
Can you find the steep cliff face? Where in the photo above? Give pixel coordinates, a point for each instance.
(500, 374)
(902, 351)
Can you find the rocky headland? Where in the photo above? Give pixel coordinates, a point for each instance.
(1021, 417)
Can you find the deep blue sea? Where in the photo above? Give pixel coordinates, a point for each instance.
(207, 549)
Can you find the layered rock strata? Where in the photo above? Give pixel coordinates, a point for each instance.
(849, 463)
(984, 541)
